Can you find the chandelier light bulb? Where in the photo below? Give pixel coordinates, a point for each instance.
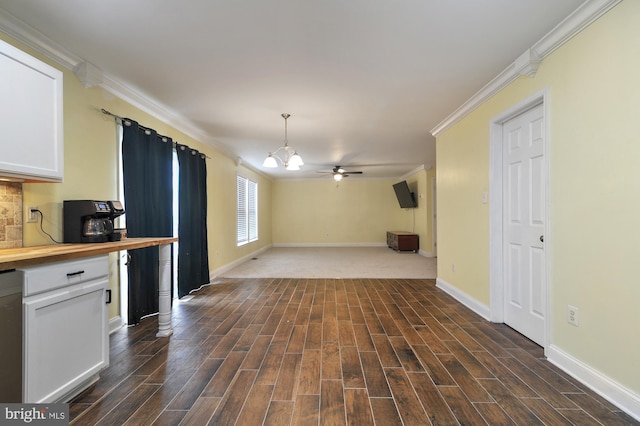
(296, 159)
(270, 162)
(292, 166)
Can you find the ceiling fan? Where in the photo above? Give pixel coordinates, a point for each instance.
(339, 172)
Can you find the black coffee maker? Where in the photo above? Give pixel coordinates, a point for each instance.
(116, 211)
(89, 221)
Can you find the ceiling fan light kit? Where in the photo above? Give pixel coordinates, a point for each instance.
(291, 161)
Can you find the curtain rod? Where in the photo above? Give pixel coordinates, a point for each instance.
(126, 122)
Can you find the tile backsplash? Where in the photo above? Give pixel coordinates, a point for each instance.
(10, 215)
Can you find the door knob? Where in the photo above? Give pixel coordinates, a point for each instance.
(542, 238)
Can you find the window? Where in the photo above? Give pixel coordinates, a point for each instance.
(247, 210)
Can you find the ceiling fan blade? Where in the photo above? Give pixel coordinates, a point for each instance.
(339, 170)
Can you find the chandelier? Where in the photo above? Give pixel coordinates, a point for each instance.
(291, 160)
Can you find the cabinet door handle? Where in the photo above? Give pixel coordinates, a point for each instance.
(71, 274)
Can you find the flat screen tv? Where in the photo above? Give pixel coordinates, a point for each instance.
(405, 197)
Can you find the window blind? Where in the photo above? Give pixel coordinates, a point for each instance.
(247, 219)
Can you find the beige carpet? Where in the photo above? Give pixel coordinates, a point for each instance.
(331, 262)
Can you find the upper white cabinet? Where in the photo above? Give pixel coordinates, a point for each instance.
(31, 118)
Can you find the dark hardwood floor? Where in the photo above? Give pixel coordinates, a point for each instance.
(332, 352)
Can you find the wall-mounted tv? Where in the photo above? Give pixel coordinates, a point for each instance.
(406, 198)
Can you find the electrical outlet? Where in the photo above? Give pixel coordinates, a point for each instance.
(32, 214)
(453, 267)
(572, 315)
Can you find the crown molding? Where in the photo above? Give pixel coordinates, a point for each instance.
(162, 113)
(414, 171)
(527, 63)
(151, 107)
(90, 75)
(572, 25)
(37, 41)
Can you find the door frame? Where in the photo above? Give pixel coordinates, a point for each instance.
(496, 225)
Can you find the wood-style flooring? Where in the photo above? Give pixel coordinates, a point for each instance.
(332, 352)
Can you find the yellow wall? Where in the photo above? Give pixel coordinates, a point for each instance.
(594, 95)
(90, 172)
(355, 211)
(420, 184)
(324, 212)
(462, 155)
(424, 226)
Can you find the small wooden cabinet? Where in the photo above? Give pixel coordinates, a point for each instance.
(403, 241)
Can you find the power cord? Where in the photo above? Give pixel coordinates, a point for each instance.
(42, 227)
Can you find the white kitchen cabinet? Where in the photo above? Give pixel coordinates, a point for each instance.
(66, 339)
(31, 118)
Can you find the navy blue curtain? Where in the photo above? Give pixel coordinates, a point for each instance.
(193, 253)
(148, 197)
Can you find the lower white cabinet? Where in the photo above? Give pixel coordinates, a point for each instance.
(66, 339)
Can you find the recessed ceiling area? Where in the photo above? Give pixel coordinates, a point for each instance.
(364, 80)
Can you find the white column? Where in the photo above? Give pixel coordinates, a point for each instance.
(164, 291)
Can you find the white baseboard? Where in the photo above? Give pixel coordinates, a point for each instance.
(329, 245)
(426, 253)
(304, 245)
(468, 301)
(115, 324)
(604, 386)
(229, 266)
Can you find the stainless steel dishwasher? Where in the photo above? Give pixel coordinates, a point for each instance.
(11, 336)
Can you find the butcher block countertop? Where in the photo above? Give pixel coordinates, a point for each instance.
(30, 256)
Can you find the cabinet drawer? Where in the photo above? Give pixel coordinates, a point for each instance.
(55, 275)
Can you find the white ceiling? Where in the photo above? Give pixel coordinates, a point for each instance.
(364, 80)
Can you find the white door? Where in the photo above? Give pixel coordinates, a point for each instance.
(524, 215)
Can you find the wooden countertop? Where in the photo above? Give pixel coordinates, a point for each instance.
(30, 256)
